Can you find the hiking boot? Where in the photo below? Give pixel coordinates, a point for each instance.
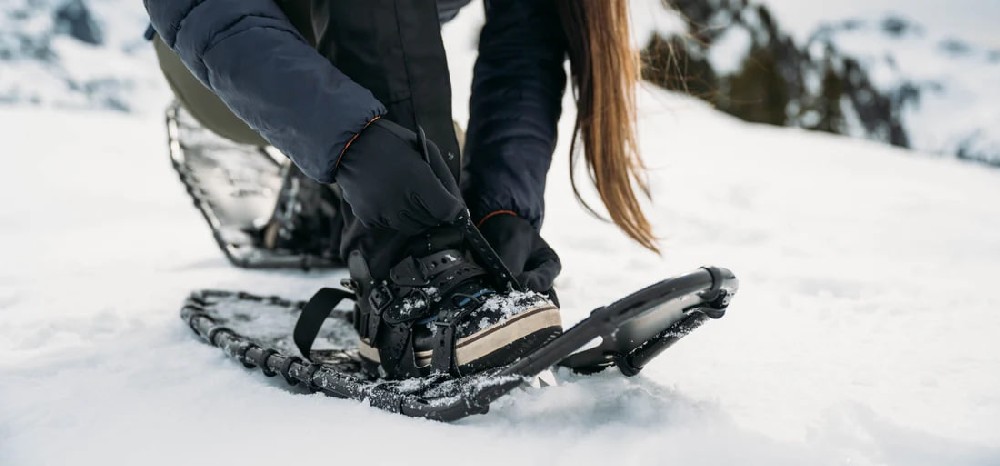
(440, 312)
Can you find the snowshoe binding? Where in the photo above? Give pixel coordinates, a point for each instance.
(440, 313)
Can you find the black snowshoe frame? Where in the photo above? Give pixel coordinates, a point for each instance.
(246, 194)
(626, 334)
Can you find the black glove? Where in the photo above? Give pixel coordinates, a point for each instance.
(395, 180)
(523, 251)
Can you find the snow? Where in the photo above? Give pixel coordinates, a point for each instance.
(864, 332)
(648, 17)
(730, 50)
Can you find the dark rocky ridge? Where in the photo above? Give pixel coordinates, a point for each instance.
(814, 85)
(74, 19)
(29, 31)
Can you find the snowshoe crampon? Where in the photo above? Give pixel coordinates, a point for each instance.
(263, 212)
(626, 334)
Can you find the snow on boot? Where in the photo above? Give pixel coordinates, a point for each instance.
(440, 313)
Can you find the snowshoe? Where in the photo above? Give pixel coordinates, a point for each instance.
(263, 212)
(278, 336)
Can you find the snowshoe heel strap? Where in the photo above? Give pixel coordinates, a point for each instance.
(316, 311)
(398, 358)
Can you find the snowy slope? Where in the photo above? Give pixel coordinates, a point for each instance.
(864, 332)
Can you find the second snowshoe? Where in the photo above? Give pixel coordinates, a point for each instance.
(263, 212)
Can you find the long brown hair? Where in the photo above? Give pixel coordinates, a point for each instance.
(605, 72)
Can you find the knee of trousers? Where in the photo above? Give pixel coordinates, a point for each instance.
(201, 102)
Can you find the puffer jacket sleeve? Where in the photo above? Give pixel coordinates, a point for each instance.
(517, 90)
(252, 57)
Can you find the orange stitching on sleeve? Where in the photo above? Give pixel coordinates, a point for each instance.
(494, 214)
(354, 138)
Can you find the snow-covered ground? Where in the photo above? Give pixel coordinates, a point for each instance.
(863, 334)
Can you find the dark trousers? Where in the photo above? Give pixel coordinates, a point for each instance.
(391, 47)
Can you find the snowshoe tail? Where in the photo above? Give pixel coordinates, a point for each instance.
(626, 334)
(247, 196)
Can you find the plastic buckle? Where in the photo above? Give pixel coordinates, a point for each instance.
(380, 298)
(410, 272)
(446, 318)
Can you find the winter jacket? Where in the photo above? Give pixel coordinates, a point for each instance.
(251, 56)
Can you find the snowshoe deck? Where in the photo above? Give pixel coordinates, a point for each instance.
(627, 334)
(236, 187)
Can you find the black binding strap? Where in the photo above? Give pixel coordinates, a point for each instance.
(443, 357)
(314, 313)
(485, 254)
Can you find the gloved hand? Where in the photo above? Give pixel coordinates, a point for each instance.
(395, 180)
(523, 251)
